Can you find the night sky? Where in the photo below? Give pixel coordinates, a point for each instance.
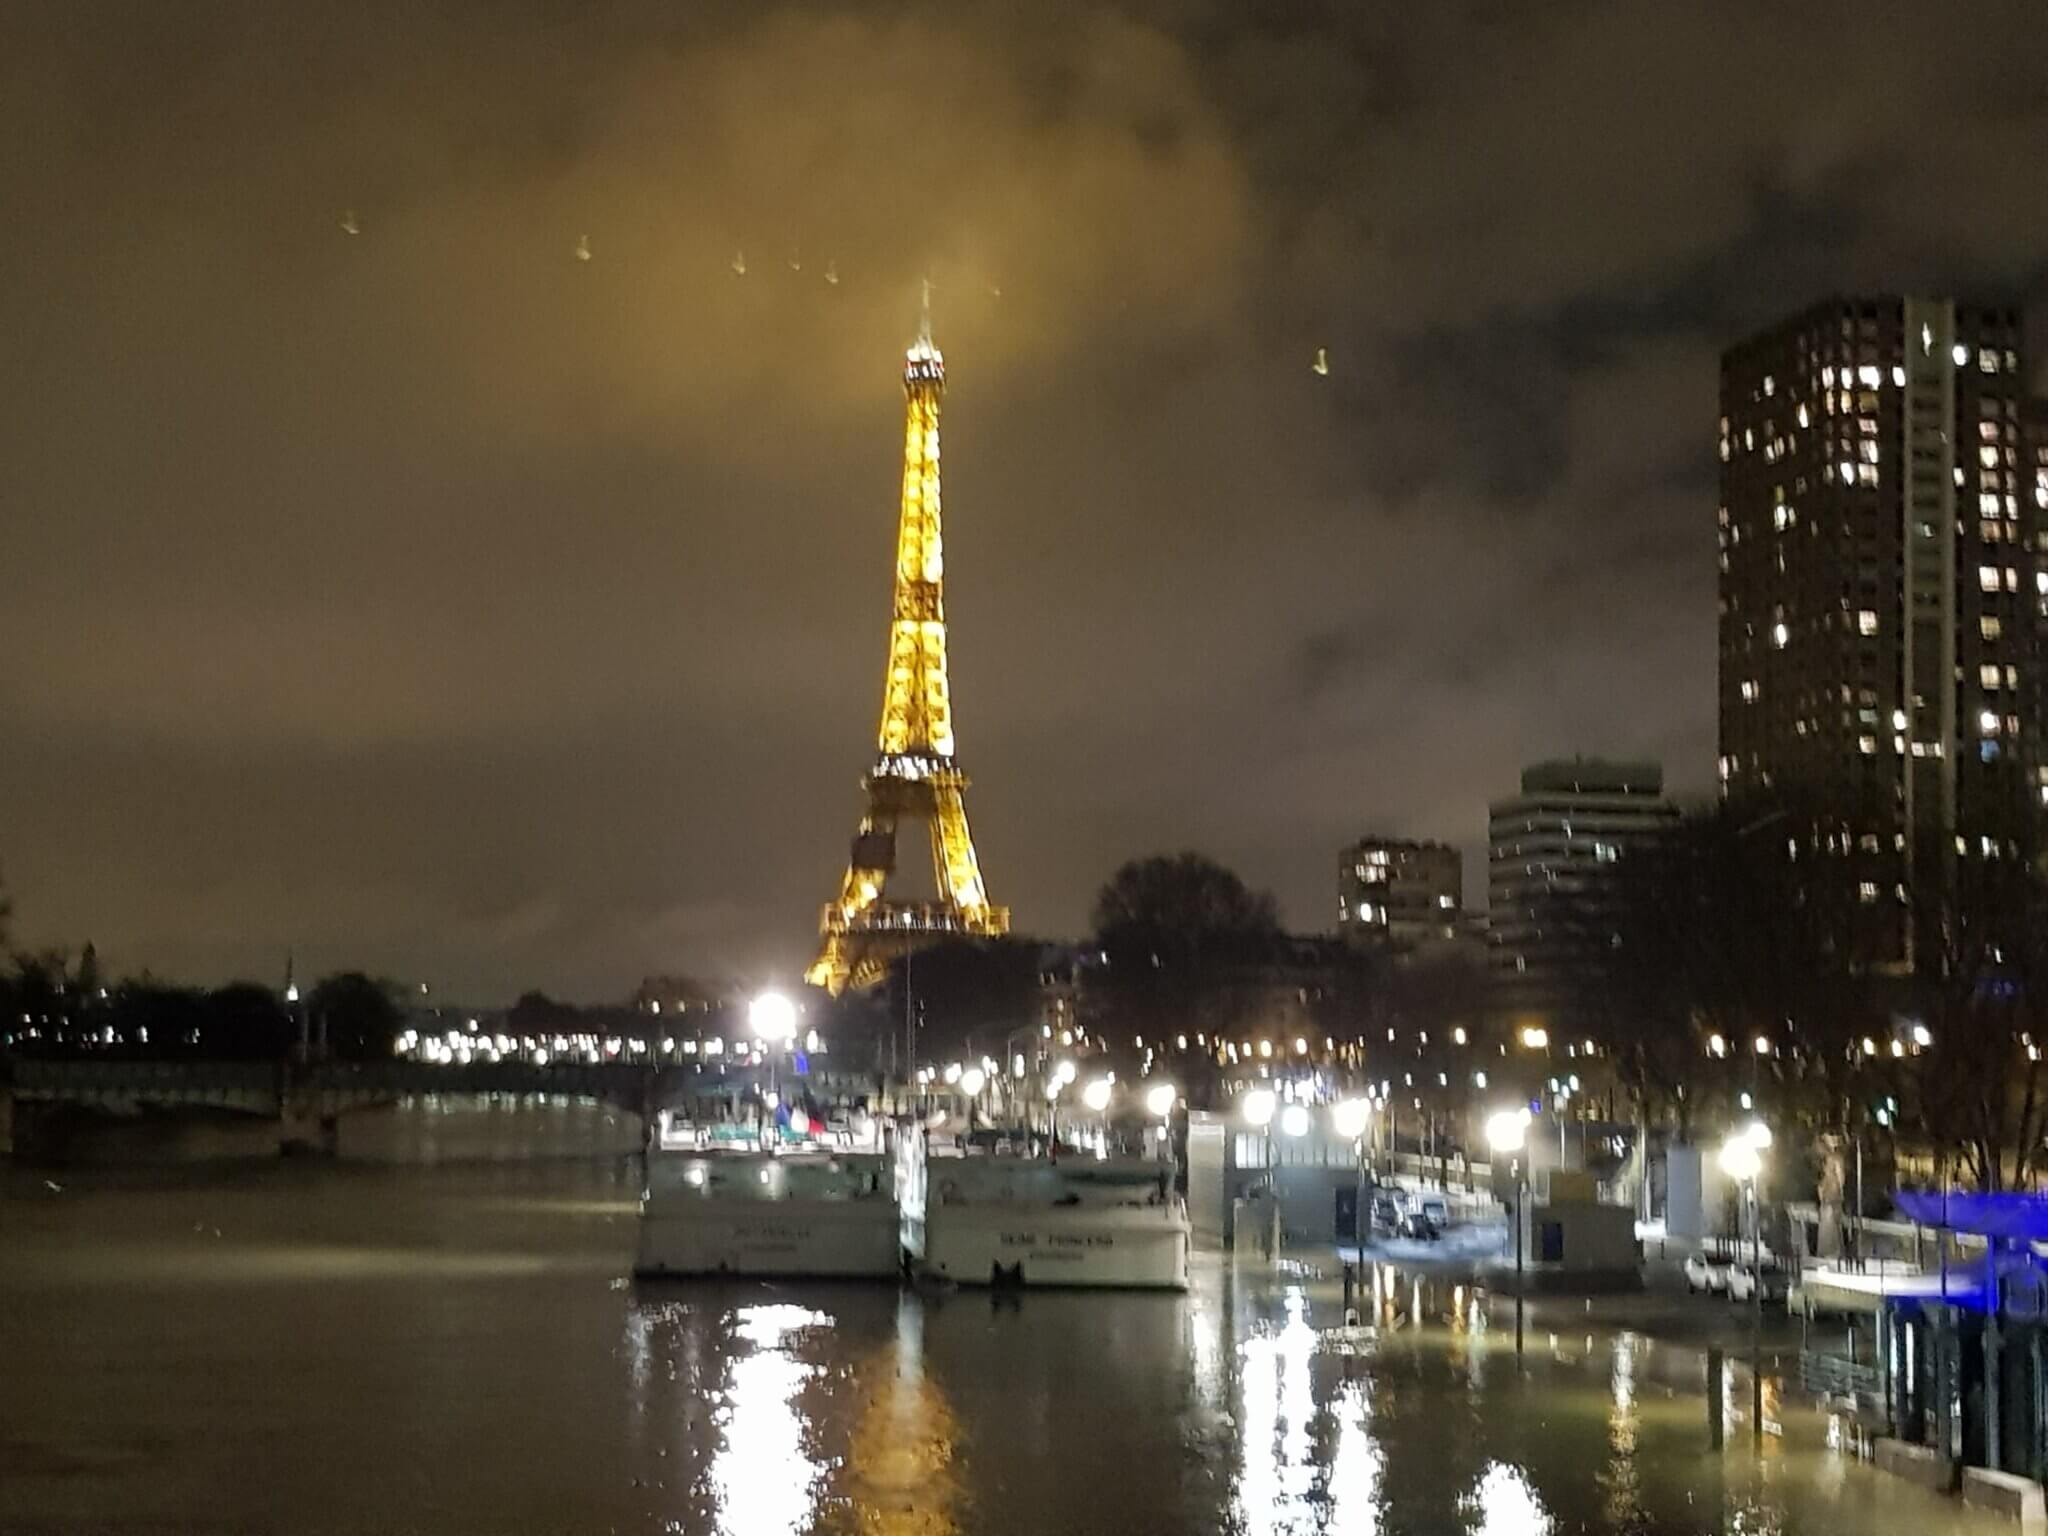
(435, 600)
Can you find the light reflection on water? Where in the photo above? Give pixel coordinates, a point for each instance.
(762, 1477)
(1279, 1488)
(1506, 1504)
(382, 1325)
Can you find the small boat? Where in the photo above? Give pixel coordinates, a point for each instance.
(1038, 1222)
(741, 1213)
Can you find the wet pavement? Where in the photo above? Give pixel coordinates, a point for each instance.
(453, 1346)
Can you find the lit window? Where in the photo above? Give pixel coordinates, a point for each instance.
(1987, 360)
(1989, 627)
(1867, 745)
(1960, 355)
(1867, 891)
(1987, 722)
(1750, 690)
(1866, 621)
(1780, 635)
(1988, 676)
(1988, 457)
(1987, 577)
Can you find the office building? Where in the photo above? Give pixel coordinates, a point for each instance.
(1552, 855)
(1880, 599)
(1399, 895)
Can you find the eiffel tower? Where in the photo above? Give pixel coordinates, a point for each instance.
(915, 776)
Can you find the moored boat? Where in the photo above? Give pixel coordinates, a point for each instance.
(762, 1214)
(1039, 1222)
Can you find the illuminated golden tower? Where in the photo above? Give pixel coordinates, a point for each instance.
(915, 776)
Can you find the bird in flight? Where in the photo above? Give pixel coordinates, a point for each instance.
(1322, 363)
(739, 263)
(583, 248)
(349, 226)
(832, 273)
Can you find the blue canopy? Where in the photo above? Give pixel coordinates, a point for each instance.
(2021, 1218)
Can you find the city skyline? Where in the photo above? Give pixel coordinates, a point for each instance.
(412, 566)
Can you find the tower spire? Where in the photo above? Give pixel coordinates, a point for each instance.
(914, 775)
(924, 321)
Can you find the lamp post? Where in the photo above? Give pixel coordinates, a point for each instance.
(1741, 1159)
(972, 1081)
(1505, 1133)
(772, 1017)
(1096, 1096)
(1159, 1101)
(1257, 1107)
(1349, 1118)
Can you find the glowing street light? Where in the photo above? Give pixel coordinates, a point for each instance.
(1159, 1100)
(772, 1016)
(1922, 1036)
(1535, 1037)
(1065, 1071)
(1294, 1120)
(1742, 1159)
(1257, 1108)
(1349, 1117)
(1506, 1130)
(972, 1081)
(1096, 1095)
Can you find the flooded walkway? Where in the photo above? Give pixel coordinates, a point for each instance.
(455, 1349)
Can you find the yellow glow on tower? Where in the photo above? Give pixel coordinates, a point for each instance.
(914, 773)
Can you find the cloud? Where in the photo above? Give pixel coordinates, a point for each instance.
(443, 602)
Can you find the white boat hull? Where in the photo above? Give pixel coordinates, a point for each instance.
(849, 1239)
(1079, 1245)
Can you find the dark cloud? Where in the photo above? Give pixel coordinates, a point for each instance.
(430, 598)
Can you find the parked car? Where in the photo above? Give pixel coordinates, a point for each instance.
(1742, 1283)
(1416, 1224)
(1386, 1216)
(1438, 1210)
(1704, 1272)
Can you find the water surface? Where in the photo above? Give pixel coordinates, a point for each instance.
(436, 1334)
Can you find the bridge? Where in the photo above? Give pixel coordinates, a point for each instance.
(308, 1097)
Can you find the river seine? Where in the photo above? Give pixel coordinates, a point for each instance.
(437, 1333)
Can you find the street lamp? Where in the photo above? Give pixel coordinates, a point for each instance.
(772, 1017)
(1742, 1159)
(1505, 1132)
(1294, 1120)
(1096, 1095)
(1257, 1108)
(1160, 1099)
(1349, 1119)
